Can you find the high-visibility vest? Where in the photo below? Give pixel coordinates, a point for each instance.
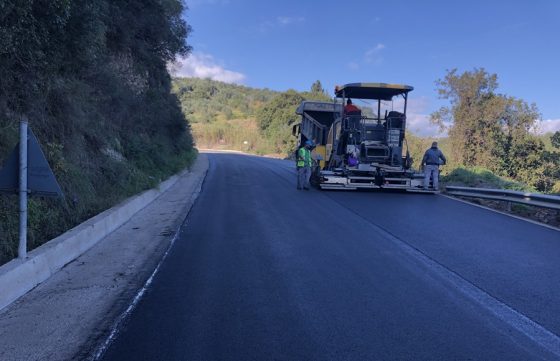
(304, 157)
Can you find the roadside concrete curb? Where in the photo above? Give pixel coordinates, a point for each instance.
(102, 347)
(18, 277)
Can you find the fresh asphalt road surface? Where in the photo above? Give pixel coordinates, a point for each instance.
(262, 271)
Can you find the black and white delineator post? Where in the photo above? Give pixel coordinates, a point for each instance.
(26, 171)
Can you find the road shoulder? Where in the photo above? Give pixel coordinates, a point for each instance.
(69, 314)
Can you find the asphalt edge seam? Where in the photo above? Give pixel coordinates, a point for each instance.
(100, 351)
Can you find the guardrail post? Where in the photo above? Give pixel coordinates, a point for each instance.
(508, 206)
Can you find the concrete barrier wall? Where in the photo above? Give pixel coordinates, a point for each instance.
(18, 277)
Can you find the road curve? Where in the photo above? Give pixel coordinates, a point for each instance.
(262, 271)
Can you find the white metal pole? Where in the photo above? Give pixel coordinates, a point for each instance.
(22, 250)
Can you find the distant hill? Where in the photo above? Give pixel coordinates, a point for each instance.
(228, 116)
(222, 115)
(208, 101)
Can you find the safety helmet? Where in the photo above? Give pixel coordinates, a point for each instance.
(309, 143)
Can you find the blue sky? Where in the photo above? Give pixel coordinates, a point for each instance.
(289, 44)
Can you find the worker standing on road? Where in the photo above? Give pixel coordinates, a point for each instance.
(431, 161)
(304, 162)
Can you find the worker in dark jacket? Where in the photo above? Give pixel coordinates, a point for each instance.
(431, 161)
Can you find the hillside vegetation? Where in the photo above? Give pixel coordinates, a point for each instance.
(91, 78)
(489, 133)
(223, 115)
(236, 117)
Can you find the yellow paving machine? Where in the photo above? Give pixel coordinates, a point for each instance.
(364, 146)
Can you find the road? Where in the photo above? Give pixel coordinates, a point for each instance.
(262, 271)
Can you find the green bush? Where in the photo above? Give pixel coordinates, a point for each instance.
(481, 178)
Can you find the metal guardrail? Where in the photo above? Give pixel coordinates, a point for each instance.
(532, 199)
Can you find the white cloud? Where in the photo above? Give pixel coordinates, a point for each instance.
(265, 26)
(417, 119)
(200, 65)
(353, 65)
(195, 3)
(280, 21)
(420, 125)
(548, 126)
(287, 20)
(373, 55)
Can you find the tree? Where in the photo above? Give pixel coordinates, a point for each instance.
(517, 151)
(317, 88)
(555, 139)
(471, 119)
(491, 130)
(551, 165)
(278, 116)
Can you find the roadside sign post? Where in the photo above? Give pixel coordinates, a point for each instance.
(27, 172)
(22, 249)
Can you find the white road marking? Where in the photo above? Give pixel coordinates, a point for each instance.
(523, 324)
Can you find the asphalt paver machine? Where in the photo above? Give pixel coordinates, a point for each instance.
(365, 148)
